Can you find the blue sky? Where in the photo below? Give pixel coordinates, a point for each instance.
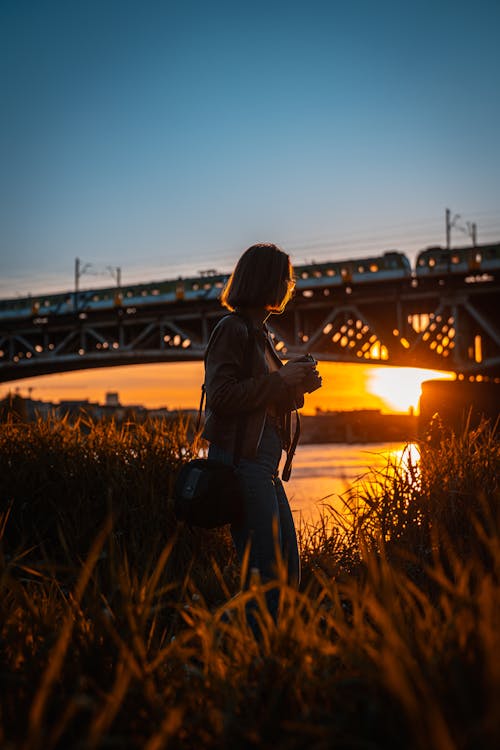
(164, 137)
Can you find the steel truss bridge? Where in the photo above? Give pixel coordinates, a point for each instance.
(443, 324)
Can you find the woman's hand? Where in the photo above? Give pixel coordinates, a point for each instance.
(294, 373)
(312, 382)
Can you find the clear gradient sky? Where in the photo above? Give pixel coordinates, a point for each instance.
(165, 137)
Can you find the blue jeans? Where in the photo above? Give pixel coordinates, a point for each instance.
(264, 501)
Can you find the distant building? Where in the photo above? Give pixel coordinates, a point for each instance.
(112, 399)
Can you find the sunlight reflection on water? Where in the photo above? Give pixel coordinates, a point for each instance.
(323, 472)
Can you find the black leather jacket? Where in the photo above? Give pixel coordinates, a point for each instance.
(229, 396)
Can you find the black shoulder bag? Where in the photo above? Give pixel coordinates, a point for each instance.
(207, 492)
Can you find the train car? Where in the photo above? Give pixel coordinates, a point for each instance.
(20, 307)
(439, 261)
(390, 266)
(47, 304)
(490, 257)
(204, 287)
(208, 286)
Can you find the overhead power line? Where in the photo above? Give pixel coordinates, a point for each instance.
(408, 237)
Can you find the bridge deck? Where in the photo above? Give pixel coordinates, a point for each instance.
(449, 325)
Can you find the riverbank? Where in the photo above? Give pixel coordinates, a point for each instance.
(112, 617)
(358, 426)
(323, 472)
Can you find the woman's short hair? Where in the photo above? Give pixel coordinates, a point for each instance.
(263, 277)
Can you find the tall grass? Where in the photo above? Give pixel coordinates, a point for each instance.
(121, 630)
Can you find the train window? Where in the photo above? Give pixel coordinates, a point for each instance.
(207, 286)
(307, 293)
(432, 262)
(478, 258)
(130, 294)
(373, 268)
(361, 269)
(95, 298)
(421, 261)
(219, 284)
(47, 303)
(155, 292)
(330, 272)
(455, 259)
(304, 275)
(144, 293)
(318, 274)
(195, 287)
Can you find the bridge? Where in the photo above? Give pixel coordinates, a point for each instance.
(440, 323)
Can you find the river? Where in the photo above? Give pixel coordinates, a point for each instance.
(322, 472)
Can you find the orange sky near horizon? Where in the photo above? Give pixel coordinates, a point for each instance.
(177, 386)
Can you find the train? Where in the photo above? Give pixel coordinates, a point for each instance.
(433, 262)
(436, 261)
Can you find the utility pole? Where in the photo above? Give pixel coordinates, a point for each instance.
(472, 227)
(77, 280)
(119, 295)
(79, 271)
(450, 223)
(116, 273)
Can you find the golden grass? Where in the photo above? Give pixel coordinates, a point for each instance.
(115, 630)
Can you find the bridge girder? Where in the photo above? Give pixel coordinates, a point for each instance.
(433, 326)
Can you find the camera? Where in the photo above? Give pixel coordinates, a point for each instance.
(307, 358)
(312, 381)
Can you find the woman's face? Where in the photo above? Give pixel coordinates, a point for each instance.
(287, 287)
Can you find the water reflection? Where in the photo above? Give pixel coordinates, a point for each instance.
(321, 473)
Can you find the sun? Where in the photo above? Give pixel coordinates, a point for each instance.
(400, 387)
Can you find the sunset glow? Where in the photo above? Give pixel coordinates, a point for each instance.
(399, 387)
(177, 386)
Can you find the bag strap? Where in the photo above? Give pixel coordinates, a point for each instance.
(203, 388)
(287, 468)
(246, 371)
(200, 409)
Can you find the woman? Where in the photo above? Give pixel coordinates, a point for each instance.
(250, 395)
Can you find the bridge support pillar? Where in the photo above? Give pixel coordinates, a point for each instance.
(458, 402)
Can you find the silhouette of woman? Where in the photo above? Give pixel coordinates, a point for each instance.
(258, 405)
